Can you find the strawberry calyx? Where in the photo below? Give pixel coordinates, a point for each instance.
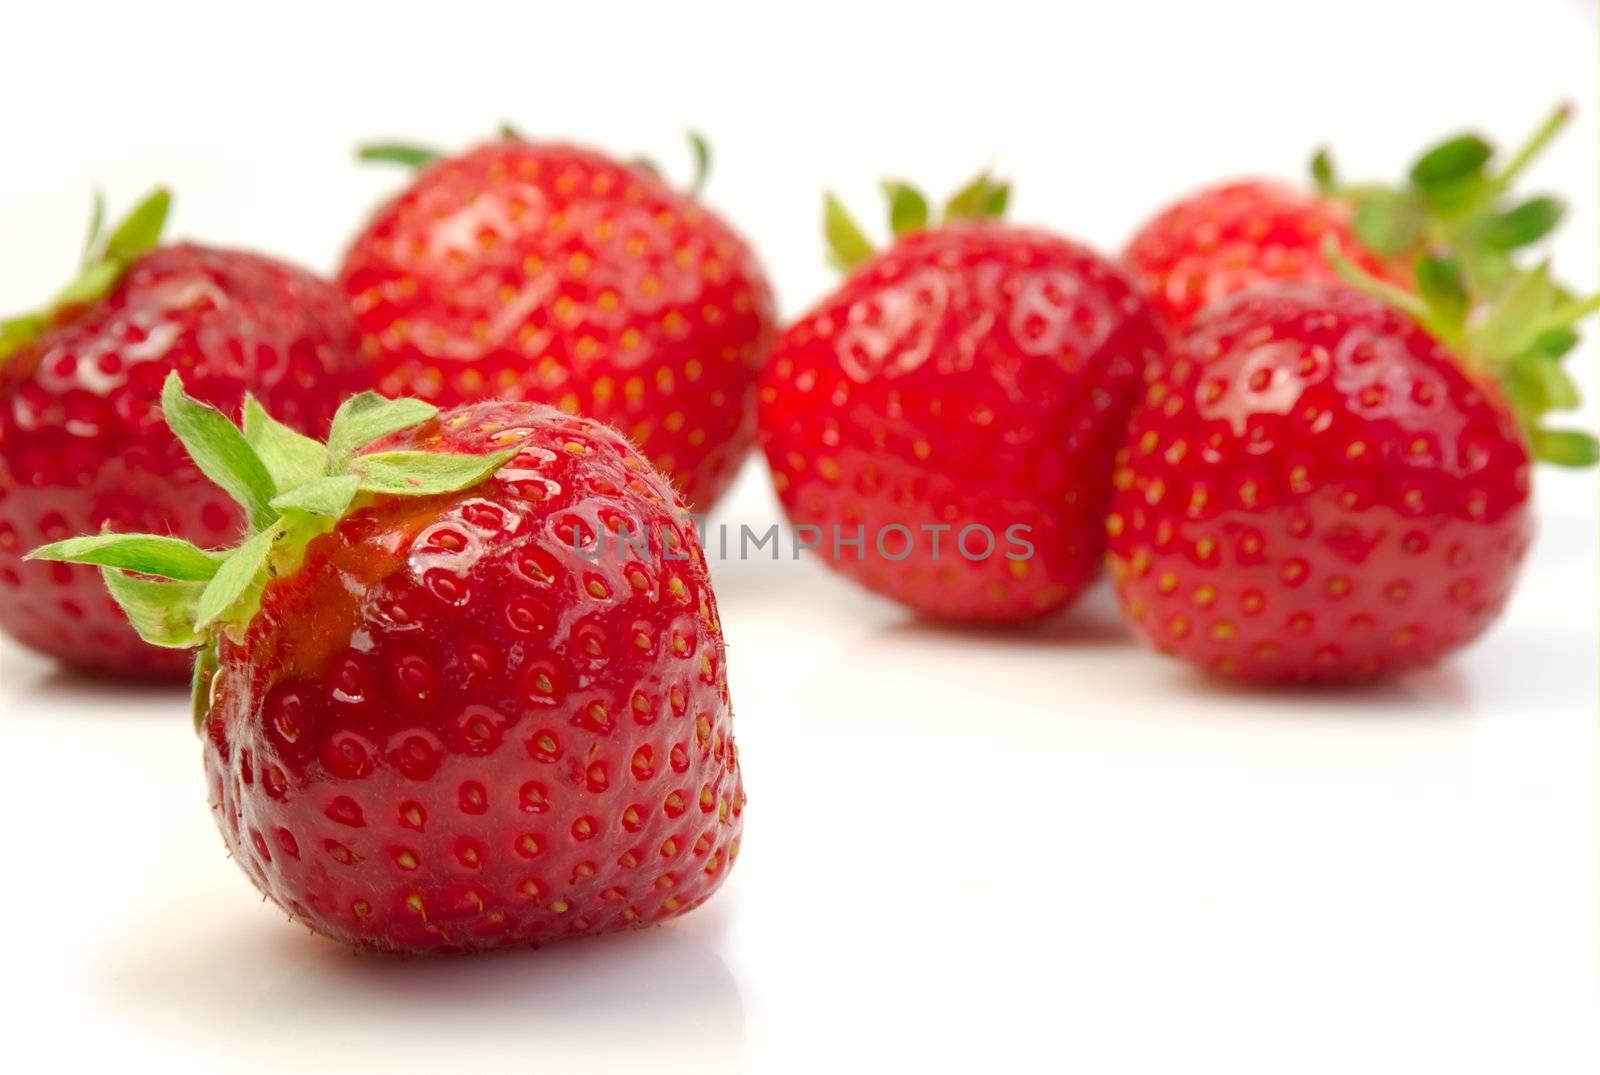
(416, 157)
(1454, 222)
(1519, 337)
(1456, 198)
(292, 488)
(982, 198)
(106, 256)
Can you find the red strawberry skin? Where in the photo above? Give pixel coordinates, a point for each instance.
(449, 731)
(1315, 489)
(551, 273)
(976, 374)
(83, 445)
(1241, 235)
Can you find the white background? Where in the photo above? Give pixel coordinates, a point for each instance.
(972, 851)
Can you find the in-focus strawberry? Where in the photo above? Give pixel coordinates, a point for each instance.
(82, 444)
(946, 419)
(441, 711)
(1329, 484)
(538, 271)
(1245, 233)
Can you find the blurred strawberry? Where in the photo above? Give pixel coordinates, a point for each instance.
(82, 444)
(537, 271)
(1331, 484)
(953, 407)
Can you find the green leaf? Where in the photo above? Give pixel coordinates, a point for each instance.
(220, 450)
(243, 571)
(980, 199)
(1440, 285)
(326, 496)
(1523, 224)
(1557, 390)
(1565, 447)
(1518, 319)
(162, 612)
(510, 133)
(1322, 174)
(17, 332)
(426, 473)
(1555, 343)
(999, 198)
(701, 149)
(97, 224)
(397, 153)
(292, 458)
(92, 284)
(908, 209)
(847, 246)
(1535, 386)
(1451, 161)
(148, 554)
(645, 164)
(365, 417)
(140, 230)
(1389, 223)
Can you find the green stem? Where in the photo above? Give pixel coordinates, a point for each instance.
(1533, 147)
(1406, 302)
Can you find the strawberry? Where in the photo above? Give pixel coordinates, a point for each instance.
(436, 714)
(82, 446)
(944, 421)
(1328, 484)
(540, 271)
(1246, 233)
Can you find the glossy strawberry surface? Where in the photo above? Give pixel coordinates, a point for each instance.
(1240, 235)
(527, 271)
(451, 729)
(972, 376)
(1314, 488)
(83, 446)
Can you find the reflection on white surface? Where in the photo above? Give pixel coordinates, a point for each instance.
(244, 984)
(967, 850)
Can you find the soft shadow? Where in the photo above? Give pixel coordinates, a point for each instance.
(1442, 689)
(655, 1000)
(87, 687)
(1092, 621)
(36, 687)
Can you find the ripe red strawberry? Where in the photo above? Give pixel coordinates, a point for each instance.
(1240, 235)
(1317, 488)
(522, 270)
(958, 399)
(1247, 233)
(82, 446)
(436, 716)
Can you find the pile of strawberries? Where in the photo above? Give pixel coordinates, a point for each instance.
(1298, 423)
